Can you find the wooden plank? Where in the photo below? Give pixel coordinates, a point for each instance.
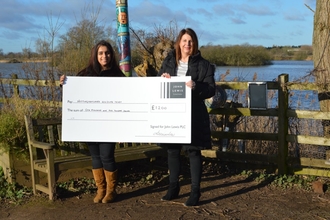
(244, 85)
(308, 114)
(42, 188)
(245, 135)
(313, 172)
(29, 82)
(302, 86)
(85, 162)
(50, 132)
(243, 157)
(48, 121)
(244, 112)
(309, 162)
(306, 139)
(312, 162)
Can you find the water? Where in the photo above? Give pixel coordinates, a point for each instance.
(296, 69)
(6, 69)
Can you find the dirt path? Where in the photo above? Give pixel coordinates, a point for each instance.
(223, 197)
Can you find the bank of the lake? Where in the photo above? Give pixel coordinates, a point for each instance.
(23, 61)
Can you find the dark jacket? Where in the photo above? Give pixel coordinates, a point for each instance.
(105, 73)
(202, 73)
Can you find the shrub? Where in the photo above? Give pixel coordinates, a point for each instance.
(12, 132)
(11, 191)
(36, 101)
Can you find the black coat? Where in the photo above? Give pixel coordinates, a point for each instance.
(104, 73)
(202, 73)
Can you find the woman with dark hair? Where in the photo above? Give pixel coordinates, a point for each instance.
(186, 60)
(102, 63)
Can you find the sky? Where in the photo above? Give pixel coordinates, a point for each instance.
(216, 22)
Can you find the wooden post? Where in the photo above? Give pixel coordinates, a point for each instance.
(283, 103)
(6, 162)
(123, 37)
(15, 86)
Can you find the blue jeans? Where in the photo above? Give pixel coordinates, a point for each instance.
(103, 155)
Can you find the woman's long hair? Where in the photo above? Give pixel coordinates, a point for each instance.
(194, 38)
(94, 68)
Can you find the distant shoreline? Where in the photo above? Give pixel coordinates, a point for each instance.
(23, 61)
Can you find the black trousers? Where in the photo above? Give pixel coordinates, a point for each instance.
(174, 164)
(103, 155)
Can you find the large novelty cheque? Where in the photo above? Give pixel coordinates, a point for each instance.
(126, 109)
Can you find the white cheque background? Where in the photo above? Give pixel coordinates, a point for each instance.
(125, 109)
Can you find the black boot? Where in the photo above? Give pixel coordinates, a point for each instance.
(196, 173)
(172, 193)
(193, 200)
(174, 165)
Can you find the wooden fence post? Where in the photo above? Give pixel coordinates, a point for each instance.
(7, 164)
(15, 86)
(283, 103)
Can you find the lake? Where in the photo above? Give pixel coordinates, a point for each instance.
(295, 69)
(6, 69)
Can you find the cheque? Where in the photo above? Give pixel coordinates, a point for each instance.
(126, 109)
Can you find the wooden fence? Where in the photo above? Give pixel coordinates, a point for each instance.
(284, 163)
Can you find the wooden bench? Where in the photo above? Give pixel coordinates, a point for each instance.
(50, 156)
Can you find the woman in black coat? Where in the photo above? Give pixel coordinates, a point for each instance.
(186, 60)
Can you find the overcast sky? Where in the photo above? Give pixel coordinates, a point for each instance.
(217, 22)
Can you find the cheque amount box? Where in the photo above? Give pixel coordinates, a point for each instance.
(168, 107)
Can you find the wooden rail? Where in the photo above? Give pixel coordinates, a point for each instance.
(284, 162)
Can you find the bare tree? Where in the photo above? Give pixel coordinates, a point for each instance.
(52, 31)
(321, 56)
(42, 47)
(74, 46)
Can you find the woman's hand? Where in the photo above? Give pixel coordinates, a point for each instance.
(166, 75)
(191, 84)
(62, 79)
